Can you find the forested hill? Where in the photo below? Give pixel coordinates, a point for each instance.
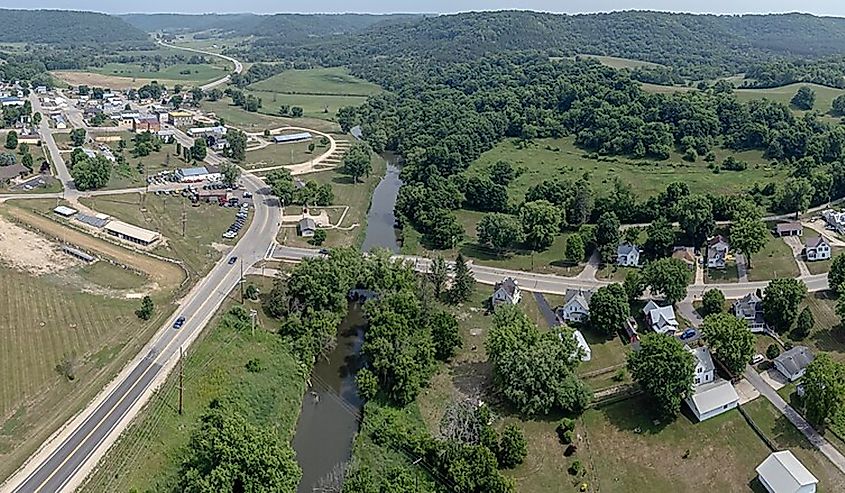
(235, 24)
(69, 28)
(701, 45)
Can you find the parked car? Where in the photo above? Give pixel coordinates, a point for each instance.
(232, 260)
(758, 358)
(179, 323)
(688, 334)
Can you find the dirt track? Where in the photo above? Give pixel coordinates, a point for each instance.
(165, 274)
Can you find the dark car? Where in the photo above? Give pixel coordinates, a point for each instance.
(232, 260)
(324, 251)
(689, 333)
(179, 323)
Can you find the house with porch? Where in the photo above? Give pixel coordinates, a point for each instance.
(711, 395)
(576, 306)
(717, 252)
(506, 292)
(750, 309)
(816, 249)
(628, 255)
(661, 319)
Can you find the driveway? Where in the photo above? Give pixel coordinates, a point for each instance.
(796, 419)
(591, 268)
(797, 247)
(741, 267)
(546, 310)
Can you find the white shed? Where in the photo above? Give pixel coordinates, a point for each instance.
(781, 472)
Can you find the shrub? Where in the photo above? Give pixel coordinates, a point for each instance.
(772, 351)
(565, 429)
(253, 365)
(576, 469)
(619, 375)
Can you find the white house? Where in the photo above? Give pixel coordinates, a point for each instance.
(750, 309)
(704, 371)
(794, 362)
(835, 220)
(628, 255)
(576, 306)
(781, 472)
(817, 249)
(661, 318)
(717, 252)
(506, 292)
(712, 399)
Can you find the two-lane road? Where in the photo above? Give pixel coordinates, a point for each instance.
(66, 460)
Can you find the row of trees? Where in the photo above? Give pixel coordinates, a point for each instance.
(284, 187)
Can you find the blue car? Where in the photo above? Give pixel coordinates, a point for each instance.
(688, 334)
(179, 323)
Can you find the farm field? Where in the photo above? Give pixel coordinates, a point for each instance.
(318, 81)
(199, 73)
(202, 244)
(58, 310)
(148, 455)
(76, 78)
(559, 158)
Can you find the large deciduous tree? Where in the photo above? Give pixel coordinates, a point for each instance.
(660, 236)
(804, 98)
(500, 231)
(712, 302)
(669, 277)
(836, 274)
(357, 162)
(749, 237)
(781, 299)
(607, 236)
(609, 309)
(664, 370)
(695, 215)
(540, 222)
(824, 389)
(729, 339)
(574, 249)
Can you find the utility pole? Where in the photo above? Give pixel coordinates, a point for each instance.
(181, 379)
(184, 219)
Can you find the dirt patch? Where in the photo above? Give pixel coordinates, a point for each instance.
(26, 251)
(165, 274)
(99, 80)
(221, 247)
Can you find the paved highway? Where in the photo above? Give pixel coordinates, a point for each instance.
(64, 462)
(211, 85)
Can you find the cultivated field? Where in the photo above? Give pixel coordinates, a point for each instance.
(76, 78)
(57, 310)
(199, 73)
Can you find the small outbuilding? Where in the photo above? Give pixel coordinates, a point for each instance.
(65, 211)
(306, 227)
(782, 472)
(792, 228)
(712, 399)
(131, 233)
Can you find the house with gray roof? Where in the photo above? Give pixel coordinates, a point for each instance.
(781, 472)
(794, 362)
(704, 368)
(506, 292)
(817, 248)
(576, 305)
(628, 255)
(717, 252)
(661, 319)
(750, 309)
(792, 228)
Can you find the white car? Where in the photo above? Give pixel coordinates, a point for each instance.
(758, 358)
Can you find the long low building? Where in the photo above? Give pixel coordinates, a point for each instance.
(197, 131)
(291, 138)
(132, 233)
(199, 173)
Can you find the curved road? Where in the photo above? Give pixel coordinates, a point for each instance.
(239, 67)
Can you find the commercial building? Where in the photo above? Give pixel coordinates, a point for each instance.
(292, 138)
(200, 173)
(146, 123)
(181, 119)
(197, 131)
(134, 234)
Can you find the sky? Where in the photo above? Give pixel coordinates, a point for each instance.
(819, 7)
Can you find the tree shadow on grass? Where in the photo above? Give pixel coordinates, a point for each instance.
(636, 415)
(341, 179)
(480, 252)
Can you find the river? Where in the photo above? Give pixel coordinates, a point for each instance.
(329, 417)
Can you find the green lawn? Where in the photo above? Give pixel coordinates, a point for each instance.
(824, 95)
(559, 158)
(614, 273)
(773, 261)
(318, 106)
(281, 155)
(193, 73)
(617, 62)
(148, 455)
(204, 225)
(548, 261)
(827, 336)
(112, 276)
(728, 274)
(256, 122)
(786, 436)
(318, 81)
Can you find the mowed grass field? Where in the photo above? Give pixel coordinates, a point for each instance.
(560, 159)
(148, 455)
(257, 122)
(618, 62)
(202, 72)
(321, 81)
(824, 95)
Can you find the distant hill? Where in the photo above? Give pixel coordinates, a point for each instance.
(62, 27)
(233, 24)
(693, 44)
